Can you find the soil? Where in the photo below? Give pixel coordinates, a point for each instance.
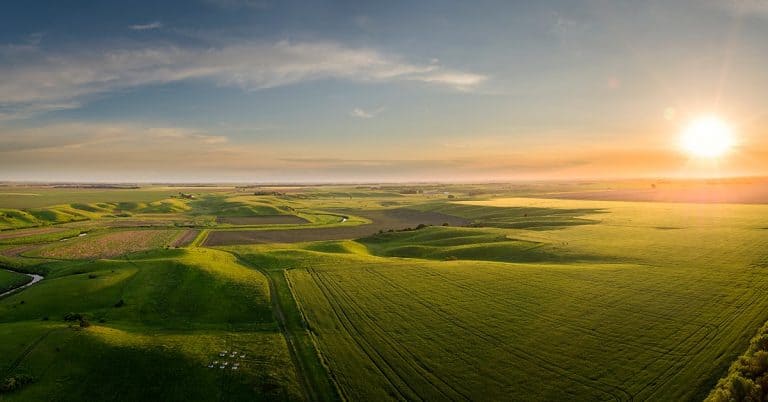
(396, 219)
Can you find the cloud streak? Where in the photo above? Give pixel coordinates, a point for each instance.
(86, 137)
(146, 27)
(38, 80)
(130, 151)
(365, 114)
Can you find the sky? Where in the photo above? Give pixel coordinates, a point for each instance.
(356, 91)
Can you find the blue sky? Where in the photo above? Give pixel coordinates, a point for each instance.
(259, 90)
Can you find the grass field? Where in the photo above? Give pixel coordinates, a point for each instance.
(10, 280)
(655, 302)
(515, 299)
(157, 321)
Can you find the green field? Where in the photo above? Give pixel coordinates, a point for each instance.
(11, 280)
(533, 299)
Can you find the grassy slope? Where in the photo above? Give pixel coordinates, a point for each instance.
(34, 198)
(181, 308)
(488, 244)
(10, 280)
(663, 324)
(313, 371)
(558, 299)
(76, 212)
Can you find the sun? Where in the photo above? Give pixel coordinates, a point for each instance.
(707, 137)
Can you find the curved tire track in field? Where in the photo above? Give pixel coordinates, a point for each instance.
(666, 376)
(309, 392)
(359, 340)
(307, 386)
(15, 364)
(491, 300)
(407, 356)
(522, 354)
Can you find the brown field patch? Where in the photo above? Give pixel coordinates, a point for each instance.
(136, 223)
(186, 238)
(28, 232)
(110, 244)
(261, 220)
(16, 251)
(382, 220)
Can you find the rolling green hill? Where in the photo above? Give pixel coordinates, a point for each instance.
(524, 299)
(157, 320)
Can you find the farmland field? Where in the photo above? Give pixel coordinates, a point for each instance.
(380, 220)
(261, 220)
(111, 244)
(376, 295)
(656, 313)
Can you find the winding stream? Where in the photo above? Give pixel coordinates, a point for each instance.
(35, 278)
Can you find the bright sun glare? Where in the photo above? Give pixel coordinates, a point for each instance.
(707, 137)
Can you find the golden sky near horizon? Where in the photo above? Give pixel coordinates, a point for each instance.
(482, 91)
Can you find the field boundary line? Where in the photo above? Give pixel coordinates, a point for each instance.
(316, 342)
(200, 239)
(15, 364)
(410, 359)
(308, 389)
(346, 323)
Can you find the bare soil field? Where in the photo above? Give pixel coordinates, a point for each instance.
(29, 232)
(111, 244)
(261, 220)
(726, 193)
(382, 220)
(186, 238)
(137, 223)
(16, 251)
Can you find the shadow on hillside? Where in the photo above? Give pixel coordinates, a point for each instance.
(533, 218)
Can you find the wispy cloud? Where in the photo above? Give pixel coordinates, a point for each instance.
(147, 26)
(26, 110)
(35, 78)
(238, 4)
(84, 136)
(365, 114)
(186, 134)
(757, 8)
(130, 151)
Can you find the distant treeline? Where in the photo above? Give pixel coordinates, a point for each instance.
(98, 186)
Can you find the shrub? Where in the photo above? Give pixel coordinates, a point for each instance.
(747, 379)
(81, 319)
(73, 317)
(761, 343)
(15, 382)
(743, 389)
